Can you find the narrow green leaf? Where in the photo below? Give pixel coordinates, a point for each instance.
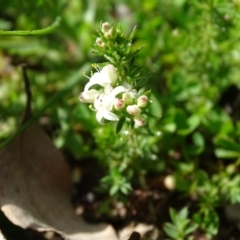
(173, 214)
(183, 213)
(112, 60)
(133, 33)
(170, 230)
(120, 123)
(113, 190)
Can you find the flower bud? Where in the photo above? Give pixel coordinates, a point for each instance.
(100, 42)
(169, 182)
(105, 27)
(119, 104)
(127, 98)
(139, 120)
(133, 110)
(111, 73)
(142, 101)
(111, 33)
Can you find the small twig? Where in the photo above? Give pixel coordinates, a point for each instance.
(72, 81)
(28, 111)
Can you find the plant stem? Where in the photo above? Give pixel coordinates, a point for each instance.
(72, 81)
(37, 32)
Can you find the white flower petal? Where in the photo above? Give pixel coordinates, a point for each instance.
(97, 79)
(108, 101)
(110, 116)
(99, 117)
(88, 96)
(108, 88)
(110, 73)
(118, 90)
(90, 84)
(95, 76)
(98, 103)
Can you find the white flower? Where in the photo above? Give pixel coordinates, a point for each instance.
(104, 103)
(107, 77)
(110, 72)
(88, 96)
(105, 100)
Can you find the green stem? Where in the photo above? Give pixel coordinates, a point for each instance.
(73, 80)
(37, 32)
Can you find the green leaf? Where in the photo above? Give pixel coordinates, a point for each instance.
(125, 188)
(223, 153)
(133, 33)
(141, 82)
(120, 123)
(226, 142)
(198, 146)
(170, 230)
(109, 58)
(181, 121)
(74, 143)
(170, 127)
(114, 189)
(183, 213)
(155, 107)
(191, 228)
(193, 122)
(187, 125)
(198, 139)
(173, 215)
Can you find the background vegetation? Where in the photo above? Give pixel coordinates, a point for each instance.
(191, 48)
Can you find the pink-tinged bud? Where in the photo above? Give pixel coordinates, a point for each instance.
(142, 101)
(105, 27)
(119, 104)
(111, 72)
(100, 42)
(140, 120)
(133, 110)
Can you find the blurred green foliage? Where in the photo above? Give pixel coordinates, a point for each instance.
(191, 49)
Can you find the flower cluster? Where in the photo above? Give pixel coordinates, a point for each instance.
(112, 90)
(109, 100)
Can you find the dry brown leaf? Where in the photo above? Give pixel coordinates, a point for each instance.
(35, 189)
(145, 232)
